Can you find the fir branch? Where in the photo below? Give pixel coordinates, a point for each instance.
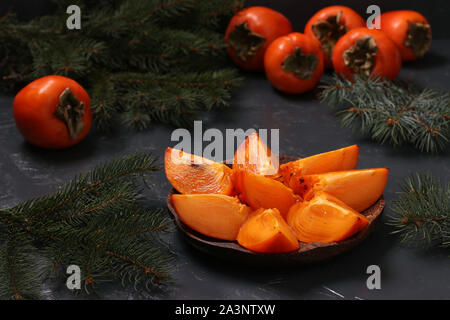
(96, 182)
(97, 221)
(104, 101)
(392, 112)
(160, 39)
(68, 58)
(422, 211)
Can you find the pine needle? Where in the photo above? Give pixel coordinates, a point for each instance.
(392, 112)
(97, 221)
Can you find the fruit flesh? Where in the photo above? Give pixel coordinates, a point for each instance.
(255, 156)
(357, 188)
(264, 22)
(386, 63)
(213, 215)
(410, 31)
(324, 219)
(262, 192)
(191, 174)
(336, 160)
(266, 231)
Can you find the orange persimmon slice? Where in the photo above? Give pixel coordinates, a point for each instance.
(357, 188)
(262, 192)
(214, 215)
(255, 156)
(325, 219)
(192, 174)
(336, 160)
(266, 231)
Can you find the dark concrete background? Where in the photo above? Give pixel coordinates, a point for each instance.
(298, 11)
(306, 127)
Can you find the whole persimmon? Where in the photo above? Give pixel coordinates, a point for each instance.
(410, 31)
(294, 63)
(53, 112)
(366, 52)
(329, 24)
(250, 32)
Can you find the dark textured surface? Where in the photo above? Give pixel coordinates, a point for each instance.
(306, 128)
(308, 253)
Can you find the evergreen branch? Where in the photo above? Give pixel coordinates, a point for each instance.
(166, 40)
(214, 12)
(422, 211)
(169, 9)
(123, 168)
(104, 101)
(191, 80)
(97, 221)
(392, 112)
(17, 259)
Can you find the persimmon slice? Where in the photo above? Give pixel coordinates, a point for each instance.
(262, 192)
(192, 174)
(255, 156)
(325, 219)
(214, 215)
(266, 231)
(357, 188)
(336, 160)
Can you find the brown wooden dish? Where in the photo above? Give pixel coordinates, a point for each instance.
(307, 253)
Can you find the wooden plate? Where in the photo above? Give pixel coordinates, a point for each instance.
(307, 253)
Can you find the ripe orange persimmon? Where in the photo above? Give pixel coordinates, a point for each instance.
(213, 215)
(359, 189)
(294, 63)
(266, 231)
(366, 52)
(324, 218)
(410, 31)
(263, 192)
(250, 32)
(53, 112)
(331, 23)
(255, 156)
(336, 160)
(189, 173)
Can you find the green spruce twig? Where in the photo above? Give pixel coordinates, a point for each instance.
(167, 43)
(97, 221)
(422, 211)
(392, 112)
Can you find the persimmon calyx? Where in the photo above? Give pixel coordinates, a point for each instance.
(329, 31)
(360, 57)
(71, 111)
(418, 38)
(302, 65)
(244, 42)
